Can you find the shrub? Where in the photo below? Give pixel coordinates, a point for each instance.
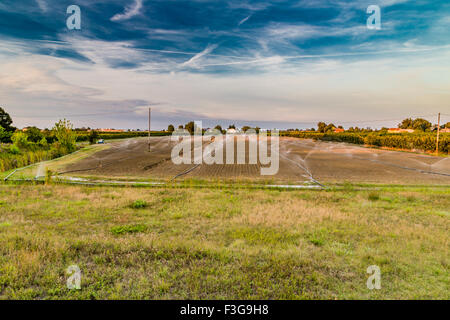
(14, 149)
(408, 141)
(63, 131)
(20, 140)
(34, 134)
(48, 176)
(373, 196)
(139, 204)
(43, 143)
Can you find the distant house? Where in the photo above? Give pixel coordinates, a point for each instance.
(110, 130)
(398, 130)
(232, 131)
(446, 130)
(338, 130)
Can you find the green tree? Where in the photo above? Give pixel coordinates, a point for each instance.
(34, 134)
(218, 127)
(63, 131)
(406, 124)
(93, 137)
(6, 121)
(321, 127)
(190, 126)
(5, 136)
(170, 128)
(330, 127)
(245, 128)
(232, 127)
(447, 125)
(421, 124)
(20, 140)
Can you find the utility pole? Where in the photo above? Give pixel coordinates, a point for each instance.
(149, 126)
(439, 128)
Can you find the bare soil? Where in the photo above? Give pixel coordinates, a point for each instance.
(300, 161)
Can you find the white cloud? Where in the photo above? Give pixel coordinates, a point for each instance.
(42, 5)
(290, 89)
(193, 62)
(130, 11)
(244, 20)
(288, 31)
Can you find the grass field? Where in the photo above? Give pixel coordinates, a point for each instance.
(214, 243)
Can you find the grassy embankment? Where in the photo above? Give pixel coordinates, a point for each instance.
(27, 156)
(223, 243)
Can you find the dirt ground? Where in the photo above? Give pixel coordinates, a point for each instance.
(300, 161)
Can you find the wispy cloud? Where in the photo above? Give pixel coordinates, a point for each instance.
(192, 62)
(130, 11)
(42, 5)
(244, 20)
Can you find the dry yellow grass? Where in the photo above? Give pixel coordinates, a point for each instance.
(223, 243)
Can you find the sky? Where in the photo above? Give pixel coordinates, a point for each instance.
(272, 64)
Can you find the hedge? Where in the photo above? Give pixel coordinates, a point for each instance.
(407, 141)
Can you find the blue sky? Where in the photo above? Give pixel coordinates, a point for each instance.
(268, 63)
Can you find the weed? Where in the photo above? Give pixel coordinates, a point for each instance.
(128, 229)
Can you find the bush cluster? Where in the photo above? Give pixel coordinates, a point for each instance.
(407, 141)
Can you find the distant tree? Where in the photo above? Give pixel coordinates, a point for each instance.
(232, 127)
(406, 124)
(34, 134)
(340, 127)
(245, 128)
(312, 129)
(170, 128)
(330, 127)
(218, 127)
(421, 124)
(6, 121)
(321, 127)
(63, 131)
(93, 137)
(180, 126)
(190, 126)
(257, 129)
(447, 125)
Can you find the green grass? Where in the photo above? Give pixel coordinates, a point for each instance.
(128, 229)
(139, 204)
(55, 165)
(215, 243)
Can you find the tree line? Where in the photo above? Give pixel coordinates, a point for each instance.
(190, 127)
